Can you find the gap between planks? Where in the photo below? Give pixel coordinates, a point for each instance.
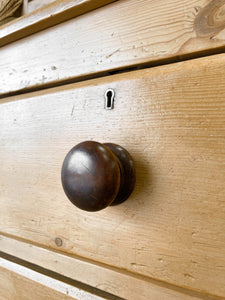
(197, 29)
(20, 280)
(144, 66)
(12, 248)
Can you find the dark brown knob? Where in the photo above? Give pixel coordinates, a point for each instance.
(96, 175)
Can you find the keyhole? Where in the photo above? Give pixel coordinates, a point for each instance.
(109, 99)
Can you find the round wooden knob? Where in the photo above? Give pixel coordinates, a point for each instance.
(96, 175)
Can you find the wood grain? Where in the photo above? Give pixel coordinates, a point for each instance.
(124, 34)
(47, 16)
(36, 4)
(8, 9)
(117, 282)
(14, 286)
(20, 283)
(171, 120)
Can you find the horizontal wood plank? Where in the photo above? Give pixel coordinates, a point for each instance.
(14, 286)
(111, 280)
(171, 120)
(49, 14)
(124, 34)
(20, 283)
(36, 4)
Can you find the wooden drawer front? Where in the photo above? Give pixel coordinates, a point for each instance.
(120, 35)
(171, 120)
(20, 283)
(15, 286)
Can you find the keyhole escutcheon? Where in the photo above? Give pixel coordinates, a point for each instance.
(109, 99)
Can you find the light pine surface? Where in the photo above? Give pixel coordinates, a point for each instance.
(17, 287)
(37, 4)
(49, 14)
(20, 283)
(14, 287)
(114, 281)
(171, 120)
(123, 34)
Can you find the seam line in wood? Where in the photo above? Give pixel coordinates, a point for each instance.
(154, 281)
(144, 66)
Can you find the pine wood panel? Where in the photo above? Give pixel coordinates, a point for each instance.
(123, 34)
(49, 14)
(114, 281)
(171, 120)
(20, 283)
(14, 286)
(37, 4)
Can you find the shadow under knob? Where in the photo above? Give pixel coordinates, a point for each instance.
(96, 175)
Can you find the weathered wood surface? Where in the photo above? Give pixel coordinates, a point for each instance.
(117, 282)
(20, 283)
(14, 286)
(171, 120)
(50, 14)
(37, 4)
(120, 35)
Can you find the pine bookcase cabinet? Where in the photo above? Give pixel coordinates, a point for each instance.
(165, 61)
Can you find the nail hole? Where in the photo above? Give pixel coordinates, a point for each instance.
(58, 242)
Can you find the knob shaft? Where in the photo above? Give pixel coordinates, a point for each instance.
(96, 175)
